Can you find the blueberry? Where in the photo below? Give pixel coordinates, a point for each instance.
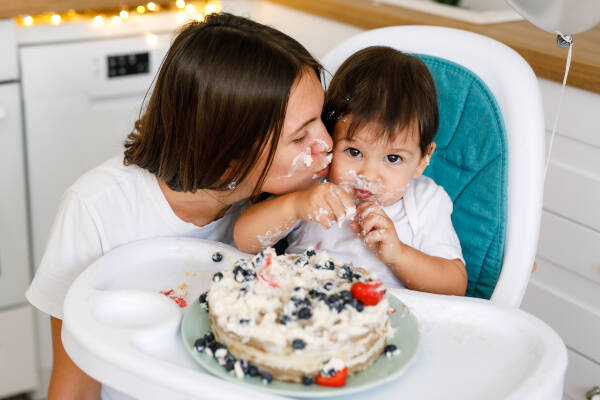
(310, 252)
(356, 276)
(284, 319)
(296, 300)
(217, 257)
(358, 305)
(266, 377)
(200, 345)
(346, 295)
(214, 346)
(304, 313)
(217, 277)
(328, 286)
(298, 344)
(313, 293)
(229, 357)
(297, 288)
(253, 370)
(333, 299)
(346, 273)
(331, 372)
(229, 365)
(329, 265)
(390, 349)
(302, 260)
(307, 380)
(209, 337)
(244, 321)
(202, 298)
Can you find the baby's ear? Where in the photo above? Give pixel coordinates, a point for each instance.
(424, 161)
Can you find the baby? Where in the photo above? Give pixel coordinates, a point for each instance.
(381, 111)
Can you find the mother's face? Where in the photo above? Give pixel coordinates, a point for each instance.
(303, 152)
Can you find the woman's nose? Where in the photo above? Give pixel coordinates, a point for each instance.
(322, 142)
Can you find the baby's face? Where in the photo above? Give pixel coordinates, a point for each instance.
(374, 169)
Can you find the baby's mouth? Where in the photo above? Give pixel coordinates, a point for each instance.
(362, 194)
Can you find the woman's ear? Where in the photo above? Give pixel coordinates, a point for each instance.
(424, 161)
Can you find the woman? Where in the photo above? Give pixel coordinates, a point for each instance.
(235, 113)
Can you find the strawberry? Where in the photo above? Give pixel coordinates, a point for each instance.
(368, 294)
(337, 379)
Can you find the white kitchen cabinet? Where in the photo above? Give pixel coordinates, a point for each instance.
(8, 51)
(565, 290)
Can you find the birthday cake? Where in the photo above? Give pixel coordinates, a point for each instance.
(296, 318)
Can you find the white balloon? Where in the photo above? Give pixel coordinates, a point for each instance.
(565, 16)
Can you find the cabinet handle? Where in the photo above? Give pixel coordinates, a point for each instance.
(2, 113)
(593, 393)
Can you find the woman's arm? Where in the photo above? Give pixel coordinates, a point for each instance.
(67, 380)
(263, 224)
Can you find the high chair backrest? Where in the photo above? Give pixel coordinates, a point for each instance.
(490, 148)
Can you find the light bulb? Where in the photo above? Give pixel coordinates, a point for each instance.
(190, 9)
(151, 6)
(180, 3)
(55, 18)
(28, 20)
(98, 20)
(140, 9)
(124, 14)
(181, 17)
(209, 8)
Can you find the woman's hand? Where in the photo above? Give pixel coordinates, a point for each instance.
(377, 230)
(325, 204)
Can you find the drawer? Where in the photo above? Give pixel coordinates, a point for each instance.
(582, 375)
(14, 243)
(8, 50)
(18, 369)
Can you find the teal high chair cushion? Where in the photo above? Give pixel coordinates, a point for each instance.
(471, 163)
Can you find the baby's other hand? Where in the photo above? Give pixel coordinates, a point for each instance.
(325, 204)
(377, 232)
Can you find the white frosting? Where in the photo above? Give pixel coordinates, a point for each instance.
(278, 287)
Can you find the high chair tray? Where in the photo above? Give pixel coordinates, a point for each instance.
(122, 320)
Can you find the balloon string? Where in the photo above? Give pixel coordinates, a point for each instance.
(569, 40)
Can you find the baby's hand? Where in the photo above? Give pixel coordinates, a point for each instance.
(377, 231)
(325, 204)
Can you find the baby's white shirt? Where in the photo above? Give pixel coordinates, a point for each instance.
(422, 219)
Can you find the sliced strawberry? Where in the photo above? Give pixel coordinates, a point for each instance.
(368, 294)
(337, 379)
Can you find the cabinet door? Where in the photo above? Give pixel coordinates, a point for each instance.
(18, 371)
(8, 50)
(14, 247)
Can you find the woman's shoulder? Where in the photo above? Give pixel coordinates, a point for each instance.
(107, 178)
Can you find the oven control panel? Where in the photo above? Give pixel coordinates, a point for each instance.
(128, 64)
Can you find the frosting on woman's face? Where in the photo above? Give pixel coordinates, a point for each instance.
(303, 151)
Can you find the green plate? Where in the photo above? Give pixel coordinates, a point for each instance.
(196, 322)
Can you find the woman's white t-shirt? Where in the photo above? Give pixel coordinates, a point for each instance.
(422, 219)
(107, 207)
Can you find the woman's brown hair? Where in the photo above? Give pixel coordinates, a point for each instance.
(220, 98)
(384, 86)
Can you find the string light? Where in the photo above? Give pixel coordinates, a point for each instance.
(55, 19)
(28, 20)
(140, 9)
(209, 8)
(124, 14)
(98, 20)
(181, 17)
(190, 9)
(180, 3)
(151, 6)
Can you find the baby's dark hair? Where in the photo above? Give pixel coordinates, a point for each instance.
(383, 86)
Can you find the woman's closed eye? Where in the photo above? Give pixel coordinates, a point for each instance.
(393, 159)
(352, 152)
(299, 139)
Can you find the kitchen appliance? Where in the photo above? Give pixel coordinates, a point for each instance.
(17, 348)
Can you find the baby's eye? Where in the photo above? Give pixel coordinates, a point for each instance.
(352, 152)
(393, 158)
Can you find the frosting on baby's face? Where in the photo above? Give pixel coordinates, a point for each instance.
(374, 168)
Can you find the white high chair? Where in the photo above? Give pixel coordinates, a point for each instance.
(515, 87)
(122, 331)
